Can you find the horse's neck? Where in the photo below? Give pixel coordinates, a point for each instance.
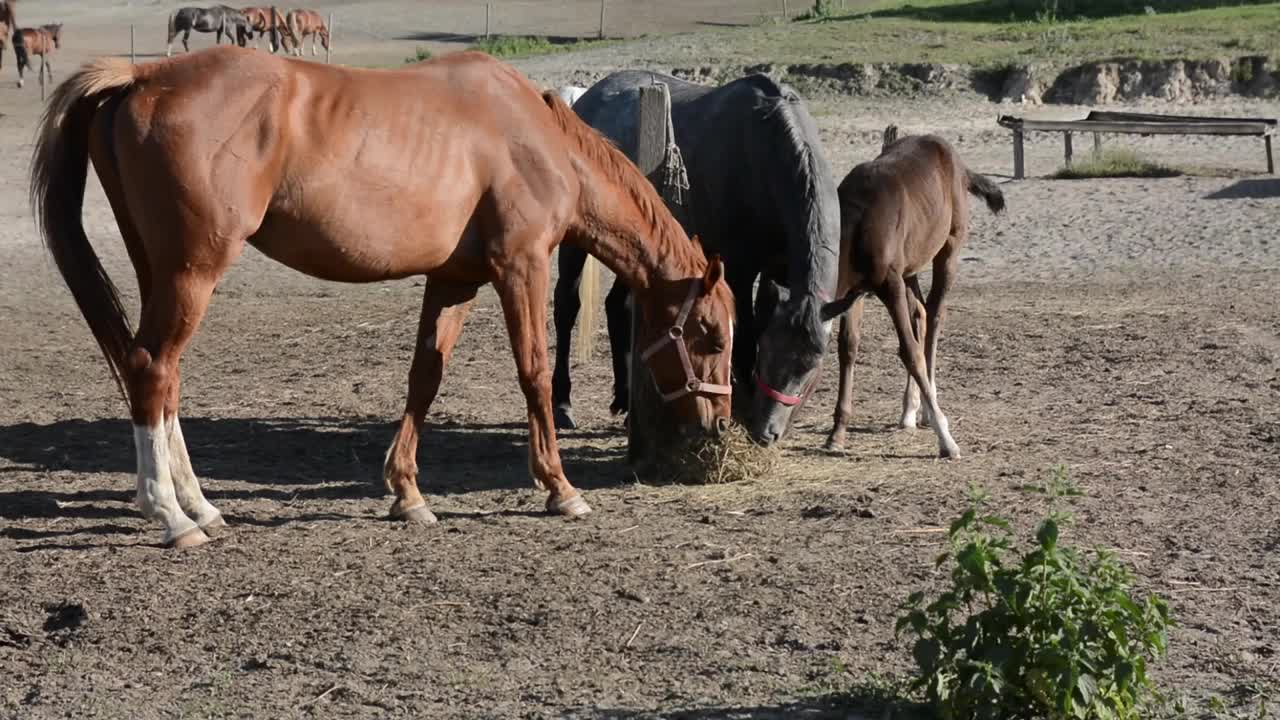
(639, 246)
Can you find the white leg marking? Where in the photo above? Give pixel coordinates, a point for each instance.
(946, 444)
(185, 482)
(910, 405)
(156, 496)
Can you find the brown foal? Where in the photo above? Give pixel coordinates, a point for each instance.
(900, 213)
(265, 19)
(40, 41)
(457, 168)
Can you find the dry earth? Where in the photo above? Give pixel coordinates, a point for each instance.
(1124, 328)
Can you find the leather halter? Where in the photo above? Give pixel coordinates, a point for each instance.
(675, 335)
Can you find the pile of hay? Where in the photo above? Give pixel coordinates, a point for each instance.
(729, 457)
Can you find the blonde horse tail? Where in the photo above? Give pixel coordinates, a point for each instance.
(589, 313)
(59, 168)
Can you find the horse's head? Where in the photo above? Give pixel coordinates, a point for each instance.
(686, 341)
(788, 357)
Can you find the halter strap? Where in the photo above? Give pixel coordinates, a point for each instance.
(777, 395)
(675, 335)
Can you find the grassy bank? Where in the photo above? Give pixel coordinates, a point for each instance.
(989, 33)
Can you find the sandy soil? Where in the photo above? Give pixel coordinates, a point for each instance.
(1124, 328)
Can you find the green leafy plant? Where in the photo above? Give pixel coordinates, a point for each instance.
(420, 54)
(1053, 635)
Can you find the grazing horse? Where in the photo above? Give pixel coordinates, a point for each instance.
(8, 23)
(456, 168)
(304, 24)
(761, 195)
(219, 19)
(899, 214)
(40, 41)
(268, 22)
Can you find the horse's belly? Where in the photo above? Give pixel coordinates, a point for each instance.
(345, 252)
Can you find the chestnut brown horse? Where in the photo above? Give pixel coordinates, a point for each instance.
(269, 22)
(40, 41)
(457, 168)
(304, 24)
(899, 214)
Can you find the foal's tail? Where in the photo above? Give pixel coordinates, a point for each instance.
(982, 186)
(58, 170)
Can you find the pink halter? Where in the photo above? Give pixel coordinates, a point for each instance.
(675, 335)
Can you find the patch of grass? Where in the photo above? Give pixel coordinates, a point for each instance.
(889, 33)
(1116, 163)
(518, 46)
(418, 56)
(1050, 10)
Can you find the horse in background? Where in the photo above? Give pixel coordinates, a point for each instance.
(218, 19)
(269, 22)
(40, 41)
(901, 213)
(8, 23)
(760, 194)
(304, 24)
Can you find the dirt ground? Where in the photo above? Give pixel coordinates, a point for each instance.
(1124, 328)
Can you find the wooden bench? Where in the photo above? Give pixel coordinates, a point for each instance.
(1097, 122)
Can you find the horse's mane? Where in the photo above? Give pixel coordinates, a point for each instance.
(7, 16)
(622, 172)
(781, 113)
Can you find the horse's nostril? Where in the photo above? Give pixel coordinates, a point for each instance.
(722, 425)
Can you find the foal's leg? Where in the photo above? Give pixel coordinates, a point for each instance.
(911, 395)
(849, 339)
(944, 274)
(618, 319)
(444, 308)
(894, 295)
(570, 261)
(186, 36)
(523, 290)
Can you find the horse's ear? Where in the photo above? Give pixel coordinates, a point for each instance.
(713, 275)
(834, 309)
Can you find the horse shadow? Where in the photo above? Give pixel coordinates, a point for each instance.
(1253, 189)
(289, 459)
(865, 701)
(471, 39)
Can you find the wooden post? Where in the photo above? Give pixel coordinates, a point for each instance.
(1018, 158)
(786, 13)
(602, 19)
(1097, 145)
(1067, 150)
(132, 59)
(329, 44)
(487, 8)
(1271, 163)
(648, 418)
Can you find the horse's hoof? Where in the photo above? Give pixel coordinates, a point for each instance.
(213, 525)
(419, 515)
(194, 537)
(834, 443)
(619, 406)
(563, 417)
(949, 453)
(574, 507)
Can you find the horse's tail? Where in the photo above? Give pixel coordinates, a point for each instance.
(58, 170)
(20, 49)
(589, 311)
(981, 186)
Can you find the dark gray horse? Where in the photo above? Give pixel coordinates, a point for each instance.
(762, 195)
(218, 19)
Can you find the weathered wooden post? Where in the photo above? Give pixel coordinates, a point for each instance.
(1097, 145)
(487, 8)
(649, 421)
(328, 45)
(132, 59)
(1271, 163)
(1019, 164)
(1067, 151)
(602, 19)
